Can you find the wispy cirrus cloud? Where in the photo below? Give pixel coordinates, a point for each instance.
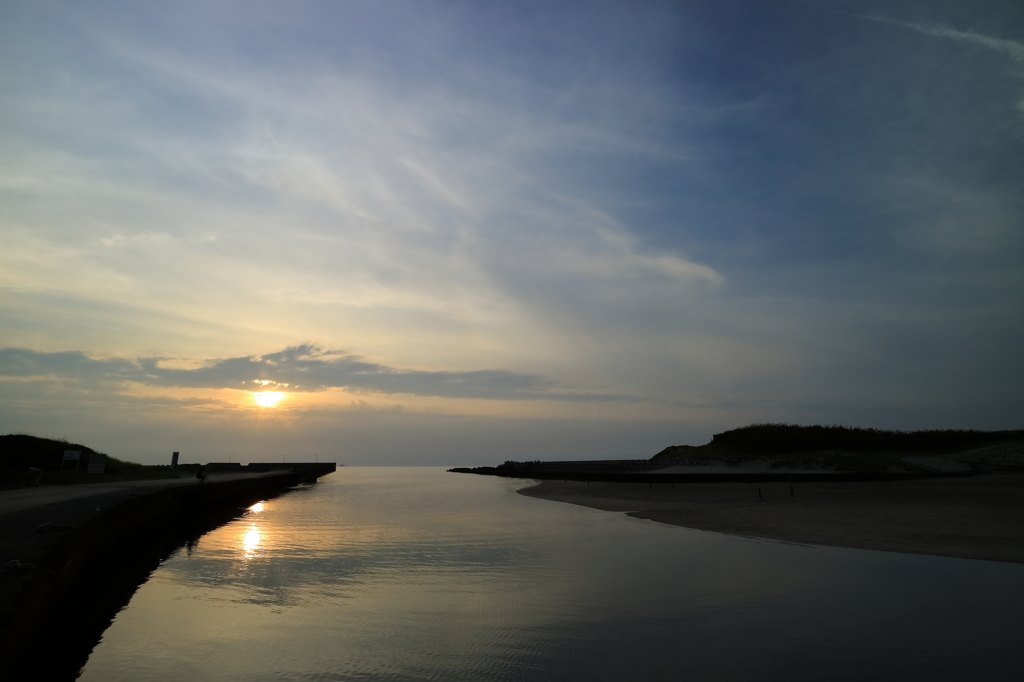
(709, 206)
(336, 200)
(1011, 48)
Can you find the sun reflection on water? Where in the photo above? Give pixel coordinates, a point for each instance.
(252, 537)
(251, 540)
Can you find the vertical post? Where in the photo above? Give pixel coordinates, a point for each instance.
(174, 460)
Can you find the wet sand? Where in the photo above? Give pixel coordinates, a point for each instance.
(977, 517)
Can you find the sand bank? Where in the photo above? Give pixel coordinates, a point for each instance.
(978, 517)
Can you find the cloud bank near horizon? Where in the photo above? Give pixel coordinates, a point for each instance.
(296, 369)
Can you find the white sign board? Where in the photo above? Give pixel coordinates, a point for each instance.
(97, 463)
(71, 456)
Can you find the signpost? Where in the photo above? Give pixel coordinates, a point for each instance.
(97, 463)
(71, 455)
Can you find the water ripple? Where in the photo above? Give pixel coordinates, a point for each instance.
(397, 574)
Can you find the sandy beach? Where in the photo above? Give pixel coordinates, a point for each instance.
(976, 517)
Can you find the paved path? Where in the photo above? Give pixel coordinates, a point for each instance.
(23, 511)
(28, 498)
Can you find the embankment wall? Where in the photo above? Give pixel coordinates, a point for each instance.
(57, 611)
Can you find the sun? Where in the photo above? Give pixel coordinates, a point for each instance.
(268, 398)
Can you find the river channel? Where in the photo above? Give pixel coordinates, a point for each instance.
(412, 573)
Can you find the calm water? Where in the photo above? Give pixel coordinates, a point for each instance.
(417, 574)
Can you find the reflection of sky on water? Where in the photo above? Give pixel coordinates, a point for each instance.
(401, 574)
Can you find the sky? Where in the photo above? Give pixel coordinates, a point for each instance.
(445, 232)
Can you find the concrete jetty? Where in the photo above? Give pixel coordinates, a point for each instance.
(72, 556)
(682, 471)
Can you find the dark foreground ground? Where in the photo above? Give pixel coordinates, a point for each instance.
(977, 517)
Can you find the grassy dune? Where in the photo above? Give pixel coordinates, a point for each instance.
(19, 451)
(856, 449)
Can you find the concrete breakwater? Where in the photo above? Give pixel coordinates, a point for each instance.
(69, 566)
(682, 471)
(784, 452)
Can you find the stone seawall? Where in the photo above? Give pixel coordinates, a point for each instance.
(54, 609)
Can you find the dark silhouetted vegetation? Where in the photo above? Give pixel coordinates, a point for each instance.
(781, 438)
(843, 447)
(19, 452)
(789, 447)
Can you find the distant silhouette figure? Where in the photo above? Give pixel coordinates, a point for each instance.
(201, 475)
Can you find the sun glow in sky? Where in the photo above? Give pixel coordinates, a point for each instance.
(459, 233)
(268, 398)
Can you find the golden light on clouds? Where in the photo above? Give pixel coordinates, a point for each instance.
(268, 398)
